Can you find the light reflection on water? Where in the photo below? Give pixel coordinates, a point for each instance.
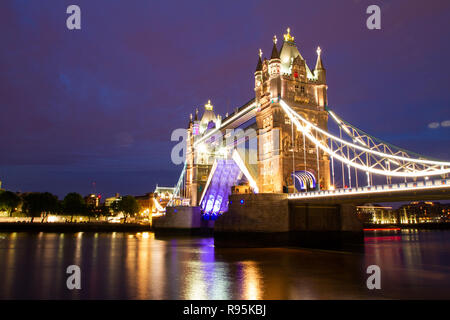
(141, 266)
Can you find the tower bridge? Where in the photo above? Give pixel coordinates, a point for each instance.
(279, 146)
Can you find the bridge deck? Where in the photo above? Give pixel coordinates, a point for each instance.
(411, 191)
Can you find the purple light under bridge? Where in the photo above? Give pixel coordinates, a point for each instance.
(225, 173)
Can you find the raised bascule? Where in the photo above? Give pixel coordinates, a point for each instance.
(272, 173)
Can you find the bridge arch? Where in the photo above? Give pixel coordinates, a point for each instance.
(304, 180)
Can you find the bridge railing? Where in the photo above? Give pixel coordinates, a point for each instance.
(428, 184)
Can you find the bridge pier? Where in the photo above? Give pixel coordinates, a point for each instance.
(182, 220)
(270, 220)
(325, 226)
(254, 220)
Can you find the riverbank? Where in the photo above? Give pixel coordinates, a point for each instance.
(137, 227)
(419, 226)
(74, 227)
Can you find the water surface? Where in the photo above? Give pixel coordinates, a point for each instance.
(414, 264)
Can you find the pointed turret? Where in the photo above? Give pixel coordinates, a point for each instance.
(275, 54)
(288, 53)
(209, 119)
(259, 65)
(258, 76)
(319, 64)
(319, 71)
(288, 37)
(274, 62)
(321, 76)
(274, 71)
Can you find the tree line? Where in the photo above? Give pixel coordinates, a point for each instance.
(38, 204)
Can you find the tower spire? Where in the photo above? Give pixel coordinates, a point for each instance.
(288, 37)
(275, 54)
(319, 71)
(319, 63)
(209, 106)
(259, 65)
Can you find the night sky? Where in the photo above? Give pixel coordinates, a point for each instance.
(99, 104)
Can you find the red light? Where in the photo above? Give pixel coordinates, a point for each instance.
(382, 229)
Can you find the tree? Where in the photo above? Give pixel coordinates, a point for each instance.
(114, 207)
(106, 211)
(50, 204)
(36, 204)
(9, 201)
(95, 212)
(129, 206)
(73, 204)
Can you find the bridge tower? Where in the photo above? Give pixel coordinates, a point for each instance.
(198, 160)
(282, 150)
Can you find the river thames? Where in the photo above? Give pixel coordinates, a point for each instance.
(414, 265)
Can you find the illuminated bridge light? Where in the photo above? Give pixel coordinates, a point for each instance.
(362, 152)
(222, 177)
(431, 167)
(436, 184)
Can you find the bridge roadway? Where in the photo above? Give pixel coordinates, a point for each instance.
(411, 191)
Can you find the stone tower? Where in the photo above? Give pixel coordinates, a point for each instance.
(281, 148)
(198, 160)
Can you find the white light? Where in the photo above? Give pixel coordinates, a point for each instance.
(202, 148)
(211, 174)
(159, 208)
(350, 192)
(293, 116)
(372, 151)
(237, 158)
(52, 219)
(394, 162)
(239, 114)
(223, 151)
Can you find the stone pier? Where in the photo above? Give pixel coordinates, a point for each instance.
(182, 220)
(270, 220)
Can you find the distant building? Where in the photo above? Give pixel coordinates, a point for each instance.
(164, 192)
(163, 195)
(424, 212)
(146, 203)
(92, 200)
(376, 214)
(109, 201)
